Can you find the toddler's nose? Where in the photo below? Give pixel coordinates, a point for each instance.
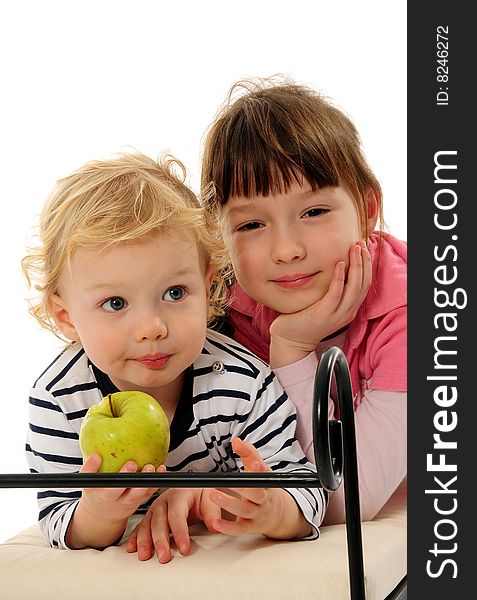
(152, 328)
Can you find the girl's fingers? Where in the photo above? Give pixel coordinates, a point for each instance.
(367, 265)
(359, 279)
(333, 297)
(355, 271)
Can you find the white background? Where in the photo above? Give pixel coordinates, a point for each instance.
(84, 79)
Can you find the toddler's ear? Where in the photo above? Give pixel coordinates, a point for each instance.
(209, 275)
(372, 210)
(62, 318)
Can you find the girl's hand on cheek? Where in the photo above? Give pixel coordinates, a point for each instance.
(294, 336)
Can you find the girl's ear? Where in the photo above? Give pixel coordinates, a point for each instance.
(372, 210)
(62, 318)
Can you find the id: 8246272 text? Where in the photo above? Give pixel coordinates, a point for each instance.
(442, 66)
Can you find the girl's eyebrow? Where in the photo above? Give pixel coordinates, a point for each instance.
(251, 205)
(245, 207)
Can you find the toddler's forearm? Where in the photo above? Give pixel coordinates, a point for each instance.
(90, 530)
(290, 522)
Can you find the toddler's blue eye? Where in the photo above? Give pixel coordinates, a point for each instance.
(174, 294)
(114, 304)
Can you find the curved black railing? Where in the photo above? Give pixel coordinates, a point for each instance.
(335, 454)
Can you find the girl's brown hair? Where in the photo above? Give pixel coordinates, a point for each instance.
(270, 134)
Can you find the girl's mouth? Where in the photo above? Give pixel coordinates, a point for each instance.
(294, 281)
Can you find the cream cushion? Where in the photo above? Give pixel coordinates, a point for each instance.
(250, 567)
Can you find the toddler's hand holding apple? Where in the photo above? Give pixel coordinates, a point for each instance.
(126, 432)
(102, 513)
(115, 503)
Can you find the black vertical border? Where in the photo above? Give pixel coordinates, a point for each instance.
(446, 127)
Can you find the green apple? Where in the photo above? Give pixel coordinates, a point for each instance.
(125, 426)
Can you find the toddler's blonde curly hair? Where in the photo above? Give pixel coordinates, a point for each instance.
(105, 202)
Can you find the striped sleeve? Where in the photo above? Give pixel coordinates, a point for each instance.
(269, 424)
(57, 405)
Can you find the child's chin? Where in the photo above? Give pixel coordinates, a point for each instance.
(291, 307)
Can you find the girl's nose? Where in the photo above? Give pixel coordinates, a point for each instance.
(287, 248)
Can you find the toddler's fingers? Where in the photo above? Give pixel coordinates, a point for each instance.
(149, 491)
(177, 517)
(239, 507)
(160, 532)
(131, 545)
(137, 495)
(251, 458)
(235, 528)
(92, 464)
(129, 467)
(255, 495)
(210, 511)
(142, 539)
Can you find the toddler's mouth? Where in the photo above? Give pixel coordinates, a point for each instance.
(154, 361)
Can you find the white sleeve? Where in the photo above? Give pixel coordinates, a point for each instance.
(381, 428)
(298, 380)
(381, 443)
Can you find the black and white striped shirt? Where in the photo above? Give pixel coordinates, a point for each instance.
(243, 399)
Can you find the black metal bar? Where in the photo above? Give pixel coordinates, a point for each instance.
(335, 452)
(158, 480)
